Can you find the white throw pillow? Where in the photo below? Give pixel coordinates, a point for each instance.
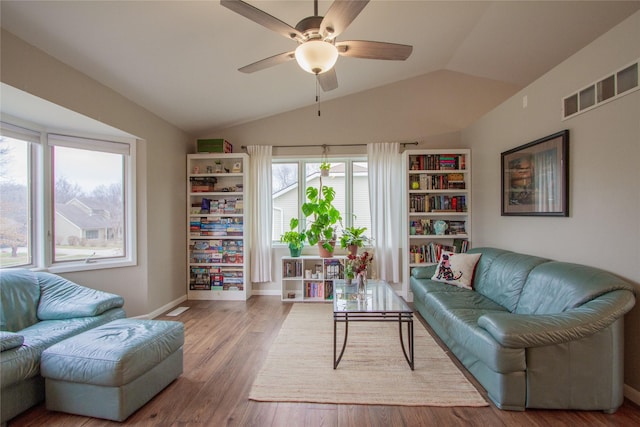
(456, 269)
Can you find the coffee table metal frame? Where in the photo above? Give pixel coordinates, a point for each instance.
(380, 304)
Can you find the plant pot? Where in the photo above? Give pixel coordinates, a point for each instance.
(295, 252)
(352, 250)
(323, 252)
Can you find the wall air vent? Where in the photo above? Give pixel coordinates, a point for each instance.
(611, 87)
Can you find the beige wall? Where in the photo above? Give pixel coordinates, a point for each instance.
(603, 228)
(159, 278)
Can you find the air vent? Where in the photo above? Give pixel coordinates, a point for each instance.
(611, 87)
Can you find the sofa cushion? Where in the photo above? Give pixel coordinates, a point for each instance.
(9, 340)
(19, 296)
(456, 269)
(555, 287)
(421, 287)
(63, 299)
(503, 278)
(465, 299)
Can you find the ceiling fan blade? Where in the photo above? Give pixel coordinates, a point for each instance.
(280, 58)
(341, 13)
(263, 18)
(374, 50)
(328, 80)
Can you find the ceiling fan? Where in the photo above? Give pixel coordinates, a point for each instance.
(318, 50)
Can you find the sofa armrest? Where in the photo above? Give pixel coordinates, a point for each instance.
(9, 340)
(62, 299)
(523, 331)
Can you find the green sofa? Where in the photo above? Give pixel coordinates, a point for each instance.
(534, 332)
(38, 310)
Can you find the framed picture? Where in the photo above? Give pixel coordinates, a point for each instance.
(535, 177)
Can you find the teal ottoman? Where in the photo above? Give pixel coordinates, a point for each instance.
(113, 370)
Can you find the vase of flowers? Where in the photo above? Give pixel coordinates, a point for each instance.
(361, 282)
(356, 267)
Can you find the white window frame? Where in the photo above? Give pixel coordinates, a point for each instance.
(347, 221)
(42, 209)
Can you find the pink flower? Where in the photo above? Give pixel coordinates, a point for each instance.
(359, 263)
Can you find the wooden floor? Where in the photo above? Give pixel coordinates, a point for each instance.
(225, 345)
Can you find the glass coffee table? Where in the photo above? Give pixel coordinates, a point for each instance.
(381, 303)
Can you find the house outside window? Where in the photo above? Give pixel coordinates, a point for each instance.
(88, 198)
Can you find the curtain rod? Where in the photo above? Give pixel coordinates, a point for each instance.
(324, 146)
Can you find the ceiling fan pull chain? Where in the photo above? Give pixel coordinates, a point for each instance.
(318, 95)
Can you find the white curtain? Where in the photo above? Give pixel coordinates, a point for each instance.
(260, 211)
(385, 199)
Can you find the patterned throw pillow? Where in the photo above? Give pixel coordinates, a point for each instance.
(456, 269)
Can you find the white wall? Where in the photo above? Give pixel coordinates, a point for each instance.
(160, 276)
(603, 229)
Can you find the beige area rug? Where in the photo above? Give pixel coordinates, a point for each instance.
(373, 370)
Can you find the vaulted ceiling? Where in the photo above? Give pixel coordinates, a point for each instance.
(179, 59)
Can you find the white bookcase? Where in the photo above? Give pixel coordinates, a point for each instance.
(217, 229)
(310, 278)
(437, 188)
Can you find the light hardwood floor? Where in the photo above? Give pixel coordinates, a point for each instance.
(225, 345)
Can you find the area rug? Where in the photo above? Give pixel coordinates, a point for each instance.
(373, 370)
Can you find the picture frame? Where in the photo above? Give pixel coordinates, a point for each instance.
(535, 177)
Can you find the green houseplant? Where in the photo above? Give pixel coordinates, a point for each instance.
(321, 230)
(324, 168)
(294, 238)
(353, 238)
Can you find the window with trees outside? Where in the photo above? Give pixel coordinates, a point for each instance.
(79, 215)
(290, 179)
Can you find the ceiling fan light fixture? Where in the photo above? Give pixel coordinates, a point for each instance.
(316, 56)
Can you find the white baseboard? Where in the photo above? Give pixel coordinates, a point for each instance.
(159, 311)
(275, 292)
(632, 394)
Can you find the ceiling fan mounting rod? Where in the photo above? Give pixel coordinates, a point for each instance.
(310, 27)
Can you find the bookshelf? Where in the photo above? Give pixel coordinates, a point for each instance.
(310, 278)
(217, 242)
(438, 206)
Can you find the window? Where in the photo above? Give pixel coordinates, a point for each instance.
(88, 195)
(16, 226)
(348, 177)
(284, 181)
(88, 222)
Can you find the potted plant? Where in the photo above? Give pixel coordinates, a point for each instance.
(294, 238)
(353, 238)
(321, 230)
(324, 169)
